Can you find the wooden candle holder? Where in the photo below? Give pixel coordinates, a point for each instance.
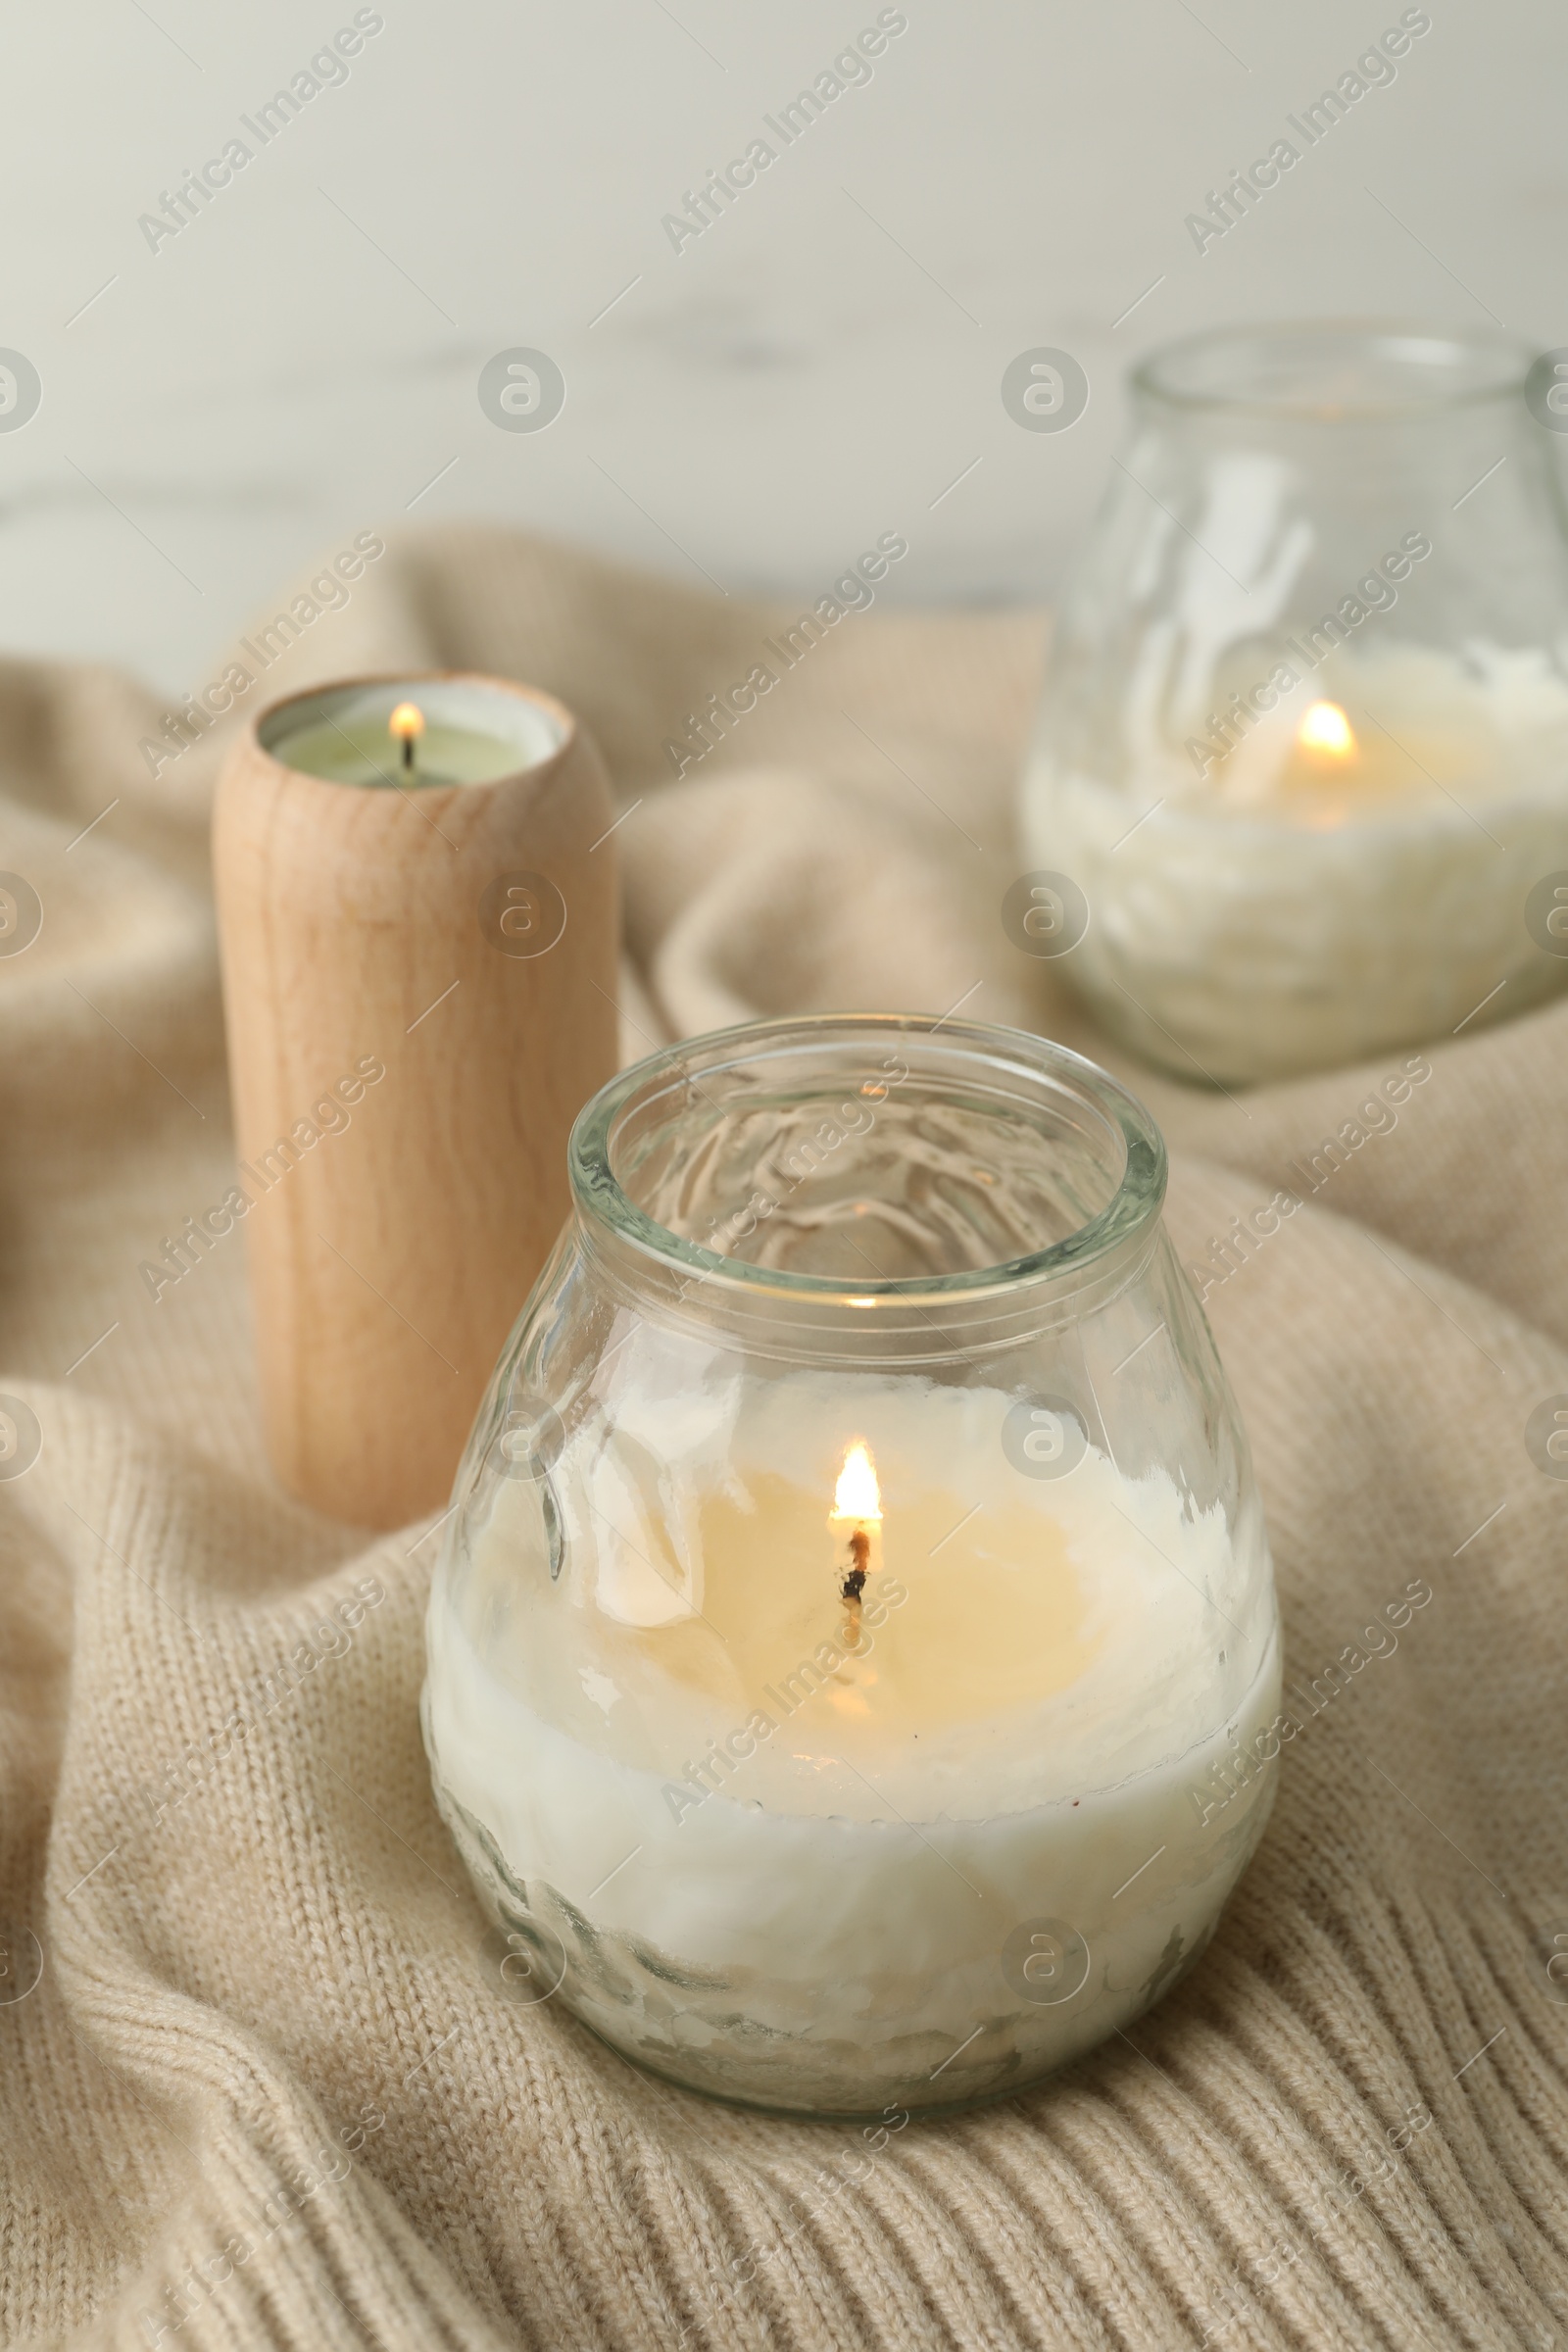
(420, 990)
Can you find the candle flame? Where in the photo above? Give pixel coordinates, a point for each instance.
(1325, 730)
(858, 1494)
(407, 723)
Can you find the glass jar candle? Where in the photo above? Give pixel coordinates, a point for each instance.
(853, 1665)
(1303, 744)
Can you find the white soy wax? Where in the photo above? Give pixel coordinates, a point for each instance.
(970, 1806)
(405, 733)
(1351, 875)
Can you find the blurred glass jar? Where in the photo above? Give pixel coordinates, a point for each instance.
(1303, 744)
(853, 1666)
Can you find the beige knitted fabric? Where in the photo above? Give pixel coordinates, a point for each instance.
(266, 2089)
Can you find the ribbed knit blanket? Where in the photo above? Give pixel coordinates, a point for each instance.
(262, 2084)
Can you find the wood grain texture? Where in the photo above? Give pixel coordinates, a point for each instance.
(397, 1222)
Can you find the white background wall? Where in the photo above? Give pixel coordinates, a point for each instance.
(817, 367)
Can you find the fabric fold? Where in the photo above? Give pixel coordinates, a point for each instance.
(265, 2087)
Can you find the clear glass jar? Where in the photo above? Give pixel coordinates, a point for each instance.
(853, 1665)
(1303, 744)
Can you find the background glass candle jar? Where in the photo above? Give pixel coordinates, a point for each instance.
(1304, 745)
(853, 1666)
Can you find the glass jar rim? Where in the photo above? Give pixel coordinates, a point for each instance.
(1132, 1209)
(1339, 361)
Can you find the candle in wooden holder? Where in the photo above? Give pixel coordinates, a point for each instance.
(419, 930)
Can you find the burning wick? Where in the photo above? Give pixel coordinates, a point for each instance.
(407, 724)
(1326, 733)
(857, 1497)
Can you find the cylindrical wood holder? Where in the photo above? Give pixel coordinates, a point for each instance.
(420, 990)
